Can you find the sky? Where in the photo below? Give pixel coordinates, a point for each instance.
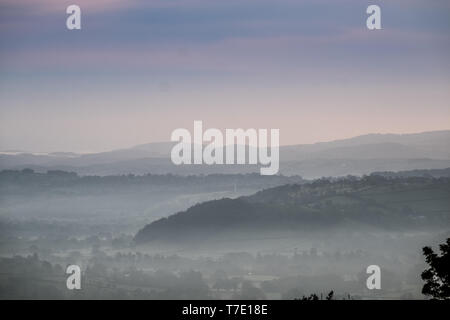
(137, 70)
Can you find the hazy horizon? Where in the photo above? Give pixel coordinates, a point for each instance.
(17, 150)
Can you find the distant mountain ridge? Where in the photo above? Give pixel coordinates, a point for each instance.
(359, 155)
(432, 145)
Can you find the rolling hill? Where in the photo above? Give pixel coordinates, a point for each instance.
(374, 202)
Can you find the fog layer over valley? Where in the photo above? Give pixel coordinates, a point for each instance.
(123, 203)
(217, 236)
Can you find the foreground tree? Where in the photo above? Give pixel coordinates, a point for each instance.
(437, 276)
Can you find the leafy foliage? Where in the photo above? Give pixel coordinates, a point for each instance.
(437, 276)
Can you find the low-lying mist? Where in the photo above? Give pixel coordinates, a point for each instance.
(303, 237)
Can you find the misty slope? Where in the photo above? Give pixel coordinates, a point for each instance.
(374, 201)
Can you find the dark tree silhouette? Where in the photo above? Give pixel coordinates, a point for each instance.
(437, 276)
(330, 295)
(313, 296)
